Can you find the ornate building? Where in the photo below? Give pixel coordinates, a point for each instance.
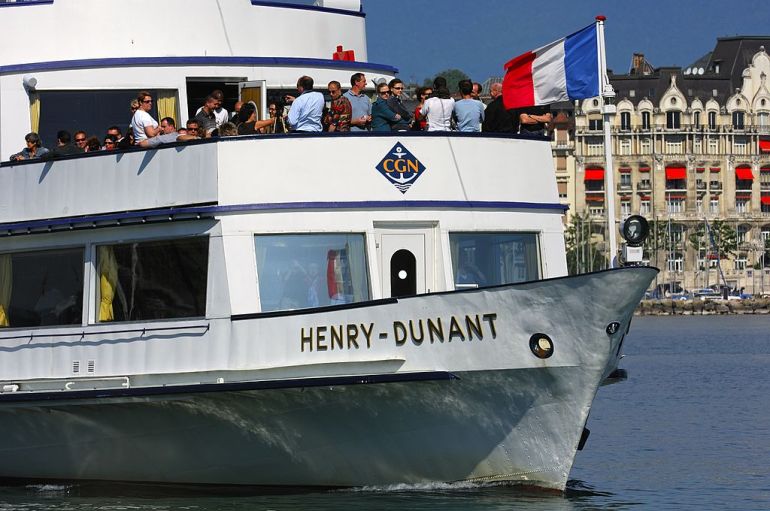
(691, 149)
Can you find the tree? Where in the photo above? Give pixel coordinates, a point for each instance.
(583, 253)
(720, 239)
(453, 77)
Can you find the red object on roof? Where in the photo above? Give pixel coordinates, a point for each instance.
(594, 174)
(341, 54)
(744, 173)
(765, 199)
(676, 172)
(764, 146)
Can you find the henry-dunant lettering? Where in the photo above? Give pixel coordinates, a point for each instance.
(357, 335)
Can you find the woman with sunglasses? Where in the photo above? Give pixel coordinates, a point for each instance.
(143, 124)
(394, 102)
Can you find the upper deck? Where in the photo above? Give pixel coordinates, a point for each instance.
(273, 172)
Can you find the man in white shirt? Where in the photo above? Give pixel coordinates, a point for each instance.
(143, 124)
(307, 108)
(221, 114)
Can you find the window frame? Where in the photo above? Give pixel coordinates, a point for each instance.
(536, 235)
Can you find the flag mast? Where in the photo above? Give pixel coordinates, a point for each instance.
(607, 94)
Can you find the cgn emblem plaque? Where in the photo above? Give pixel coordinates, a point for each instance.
(401, 167)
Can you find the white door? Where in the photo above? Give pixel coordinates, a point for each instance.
(405, 261)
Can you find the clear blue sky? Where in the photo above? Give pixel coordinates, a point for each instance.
(422, 37)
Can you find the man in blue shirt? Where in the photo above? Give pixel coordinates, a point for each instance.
(306, 109)
(469, 112)
(361, 114)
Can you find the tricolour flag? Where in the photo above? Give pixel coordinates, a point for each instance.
(564, 70)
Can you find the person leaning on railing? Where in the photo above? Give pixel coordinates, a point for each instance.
(34, 148)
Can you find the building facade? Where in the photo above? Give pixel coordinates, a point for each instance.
(691, 151)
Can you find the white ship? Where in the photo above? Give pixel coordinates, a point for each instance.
(279, 310)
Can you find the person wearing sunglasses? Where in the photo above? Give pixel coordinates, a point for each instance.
(144, 125)
(81, 140)
(395, 104)
(383, 118)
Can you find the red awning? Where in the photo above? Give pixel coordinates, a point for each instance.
(676, 196)
(766, 168)
(765, 199)
(764, 146)
(744, 173)
(644, 197)
(625, 198)
(744, 196)
(714, 169)
(700, 169)
(676, 173)
(594, 175)
(594, 198)
(624, 170)
(644, 168)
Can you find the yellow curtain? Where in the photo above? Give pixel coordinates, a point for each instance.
(6, 286)
(108, 282)
(34, 112)
(167, 105)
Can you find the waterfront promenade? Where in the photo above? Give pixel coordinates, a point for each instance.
(702, 307)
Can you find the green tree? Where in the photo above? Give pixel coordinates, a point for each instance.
(453, 77)
(720, 239)
(583, 253)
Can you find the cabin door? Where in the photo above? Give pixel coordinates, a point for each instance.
(405, 259)
(255, 91)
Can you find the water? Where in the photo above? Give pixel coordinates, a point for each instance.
(689, 430)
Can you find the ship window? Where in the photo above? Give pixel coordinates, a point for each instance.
(487, 259)
(151, 280)
(41, 288)
(297, 271)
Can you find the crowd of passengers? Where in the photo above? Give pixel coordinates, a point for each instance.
(436, 110)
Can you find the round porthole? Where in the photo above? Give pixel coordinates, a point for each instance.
(402, 274)
(541, 345)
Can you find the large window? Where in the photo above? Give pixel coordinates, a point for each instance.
(625, 121)
(739, 120)
(152, 280)
(298, 271)
(674, 120)
(41, 288)
(487, 259)
(646, 121)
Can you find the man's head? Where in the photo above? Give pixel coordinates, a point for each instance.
(272, 110)
(495, 90)
(80, 139)
(33, 140)
(439, 83)
(383, 91)
(63, 137)
(192, 126)
(114, 131)
(358, 82)
(335, 89)
(210, 104)
(237, 106)
(110, 143)
(145, 101)
(305, 83)
(219, 96)
(466, 87)
(476, 94)
(396, 87)
(167, 125)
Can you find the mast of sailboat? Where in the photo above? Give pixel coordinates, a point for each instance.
(608, 109)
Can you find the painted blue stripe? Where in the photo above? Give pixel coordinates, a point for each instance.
(211, 210)
(204, 388)
(581, 63)
(196, 61)
(21, 3)
(308, 8)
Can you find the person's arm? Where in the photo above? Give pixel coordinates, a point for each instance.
(151, 131)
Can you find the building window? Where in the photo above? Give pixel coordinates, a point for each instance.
(742, 205)
(562, 187)
(646, 121)
(644, 207)
(674, 147)
(673, 120)
(151, 280)
(697, 145)
(298, 271)
(712, 120)
(625, 121)
(625, 147)
(487, 259)
(675, 262)
(645, 146)
(596, 211)
(41, 288)
(713, 146)
(714, 206)
(596, 149)
(595, 124)
(763, 121)
(738, 118)
(699, 205)
(741, 233)
(740, 262)
(696, 120)
(675, 205)
(561, 163)
(625, 209)
(625, 180)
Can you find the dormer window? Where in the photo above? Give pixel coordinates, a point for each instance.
(712, 120)
(625, 121)
(645, 120)
(674, 120)
(738, 120)
(696, 119)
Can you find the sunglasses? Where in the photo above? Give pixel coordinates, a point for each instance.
(146, 101)
(384, 92)
(109, 142)
(80, 140)
(398, 88)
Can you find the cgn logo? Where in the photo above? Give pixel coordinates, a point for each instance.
(401, 167)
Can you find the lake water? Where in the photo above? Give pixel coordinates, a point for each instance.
(690, 429)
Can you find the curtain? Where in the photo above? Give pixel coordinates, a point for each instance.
(260, 246)
(167, 105)
(34, 112)
(108, 282)
(6, 286)
(454, 248)
(357, 264)
(531, 255)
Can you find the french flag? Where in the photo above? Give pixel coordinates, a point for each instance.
(566, 69)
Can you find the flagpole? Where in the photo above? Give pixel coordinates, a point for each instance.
(608, 108)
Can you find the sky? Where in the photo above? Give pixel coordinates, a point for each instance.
(423, 37)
